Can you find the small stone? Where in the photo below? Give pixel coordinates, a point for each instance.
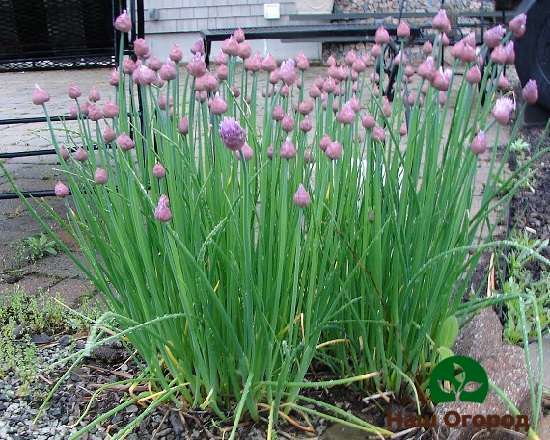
(64, 340)
(481, 336)
(41, 338)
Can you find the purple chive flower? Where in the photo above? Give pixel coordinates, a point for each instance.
(268, 63)
(183, 125)
(442, 79)
(301, 197)
(232, 134)
(254, 63)
(503, 109)
(441, 22)
(230, 46)
(368, 121)
(109, 135)
(530, 92)
(94, 95)
(222, 72)
(39, 96)
(128, 66)
(287, 123)
(346, 115)
(167, 71)
(499, 55)
(426, 70)
(114, 78)
(154, 63)
(381, 36)
(101, 176)
(61, 190)
(198, 47)
(238, 35)
(141, 48)
(288, 151)
(334, 151)
(479, 144)
(518, 25)
(217, 105)
(325, 142)
(64, 153)
(159, 171)
(246, 151)
(81, 155)
(110, 109)
(473, 76)
(302, 62)
(403, 30)
(125, 142)
(162, 211)
(74, 92)
(270, 152)
(378, 133)
(305, 107)
(94, 112)
(176, 55)
(442, 97)
(197, 66)
(306, 125)
(403, 129)
(278, 113)
(493, 36)
(386, 107)
(244, 50)
(503, 82)
(287, 72)
(123, 22)
(427, 48)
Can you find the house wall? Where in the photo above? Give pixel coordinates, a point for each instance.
(180, 21)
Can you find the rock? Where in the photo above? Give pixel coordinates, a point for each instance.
(481, 336)
(533, 350)
(41, 338)
(64, 340)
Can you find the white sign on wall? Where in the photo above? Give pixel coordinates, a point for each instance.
(272, 11)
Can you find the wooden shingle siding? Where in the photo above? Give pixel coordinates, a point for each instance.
(196, 15)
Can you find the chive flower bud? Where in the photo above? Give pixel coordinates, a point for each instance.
(94, 112)
(473, 75)
(183, 125)
(403, 30)
(301, 197)
(278, 113)
(162, 211)
(306, 125)
(381, 36)
(503, 109)
(230, 46)
(368, 121)
(493, 36)
(176, 54)
(197, 66)
(287, 123)
(334, 150)
(246, 151)
(270, 152)
(427, 48)
(378, 133)
(198, 47)
(128, 66)
(244, 50)
(39, 96)
(325, 142)
(141, 48)
(125, 142)
(254, 63)
(302, 62)
(61, 190)
(518, 25)
(232, 134)
(346, 115)
(305, 107)
(441, 22)
(268, 63)
(81, 155)
(110, 109)
(217, 105)
(101, 176)
(530, 92)
(114, 79)
(109, 135)
(74, 92)
(503, 82)
(64, 153)
(239, 36)
(288, 151)
(123, 22)
(159, 171)
(479, 144)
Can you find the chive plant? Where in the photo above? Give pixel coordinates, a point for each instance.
(273, 224)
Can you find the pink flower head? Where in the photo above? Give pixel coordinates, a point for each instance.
(198, 47)
(445, 40)
(386, 107)
(232, 134)
(235, 90)
(403, 30)
(288, 151)
(162, 211)
(128, 66)
(61, 190)
(230, 46)
(378, 133)
(467, 54)
(359, 65)
(334, 151)
(278, 113)
(94, 95)
(197, 66)
(270, 152)
(510, 53)
(503, 109)
(381, 36)
(123, 22)
(503, 82)
(39, 96)
(217, 105)
(222, 72)
(81, 155)
(479, 144)
(125, 142)
(74, 92)
(287, 72)
(183, 125)
(301, 197)
(493, 36)
(144, 76)
(403, 129)
(411, 98)
(254, 63)
(162, 103)
(306, 125)
(442, 97)
(409, 70)
(64, 153)
(325, 142)
(110, 109)
(473, 75)
(94, 112)
(246, 151)
(441, 22)
(329, 86)
(114, 79)
(154, 63)
(238, 34)
(305, 107)
(141, 48)
(268, 63)
(427, 69)
(108, 134)
(302, 61)
(287, 123)
(159, 171)
(101, 176)
(176, 54)
(350, 57)
(354, 104)
(210, 82)
(530, 92)
(518, 25)
(442, 79)
(368, 121)
(167, 71)
(346, 115)
(274, 77)
(499, 55)
(399, 58)
(244, 50)
(427, 48)
(375, 50)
